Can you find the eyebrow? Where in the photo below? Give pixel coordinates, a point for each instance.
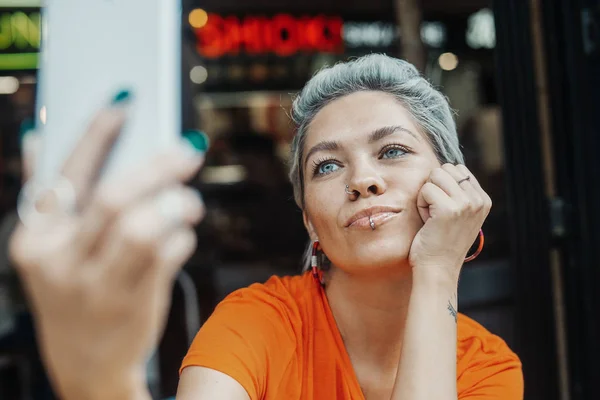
(374, 136)
(386, 131)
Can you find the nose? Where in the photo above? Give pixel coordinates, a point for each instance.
(366, 181)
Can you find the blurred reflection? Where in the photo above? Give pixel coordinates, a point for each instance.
(254, 218)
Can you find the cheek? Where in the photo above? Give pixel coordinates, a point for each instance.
(410, 182)
(322, 208)
(408, 187)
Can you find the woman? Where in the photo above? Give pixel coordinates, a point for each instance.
(391, 212)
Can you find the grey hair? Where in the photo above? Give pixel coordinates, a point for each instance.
(376, 72)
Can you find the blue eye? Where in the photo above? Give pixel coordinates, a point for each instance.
(327, 168)
(393, 152)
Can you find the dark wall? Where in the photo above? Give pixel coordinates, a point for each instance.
(572, 44)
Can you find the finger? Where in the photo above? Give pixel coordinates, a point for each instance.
(117, 195)
(448, 183)
(85, 161)
(160, 278)
(31, 145)
(474, 183)
(464, 172)
(131, 247)
(176, 251)
(466, 187)
(431, 198)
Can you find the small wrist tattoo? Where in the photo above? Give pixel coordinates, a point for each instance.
(452, 311)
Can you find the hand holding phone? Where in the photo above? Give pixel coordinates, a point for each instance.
(100, 279)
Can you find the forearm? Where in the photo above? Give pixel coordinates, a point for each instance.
(427, 368)
(109, 392)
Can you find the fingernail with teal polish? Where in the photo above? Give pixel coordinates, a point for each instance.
(27, 127)
(121, 97)
(198, 140)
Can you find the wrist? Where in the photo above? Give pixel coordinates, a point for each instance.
(435, 292)
(437, 277)
(109, 392)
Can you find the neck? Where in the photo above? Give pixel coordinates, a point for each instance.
(371, 315)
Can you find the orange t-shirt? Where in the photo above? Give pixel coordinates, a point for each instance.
(279, 340)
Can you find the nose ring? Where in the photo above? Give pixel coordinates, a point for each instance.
(349, 192)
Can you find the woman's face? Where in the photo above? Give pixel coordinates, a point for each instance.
(369, 141)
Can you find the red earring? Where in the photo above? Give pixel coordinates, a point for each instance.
(314, 264)
(478, 251)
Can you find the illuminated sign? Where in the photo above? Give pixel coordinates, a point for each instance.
(19, 39)
(369, 34)
(282, 34)
(481, 31)
(433, 34)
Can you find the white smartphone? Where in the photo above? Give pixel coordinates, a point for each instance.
(91, 50)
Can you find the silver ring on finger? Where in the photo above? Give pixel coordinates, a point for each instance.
(31, 194)
(468, 178)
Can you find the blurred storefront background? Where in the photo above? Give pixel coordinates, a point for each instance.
(245, 63)
(524, 82)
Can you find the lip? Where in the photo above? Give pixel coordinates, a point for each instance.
(379, 215)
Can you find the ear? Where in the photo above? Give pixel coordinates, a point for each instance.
(309, 227)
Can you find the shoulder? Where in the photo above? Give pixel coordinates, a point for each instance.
(279, 293)
(256, 317)
(253, 334)
(486, 366)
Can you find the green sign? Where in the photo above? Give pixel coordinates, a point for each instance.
(20, 3)
(20, 34)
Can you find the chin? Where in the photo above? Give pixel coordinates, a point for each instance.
(387, 255)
